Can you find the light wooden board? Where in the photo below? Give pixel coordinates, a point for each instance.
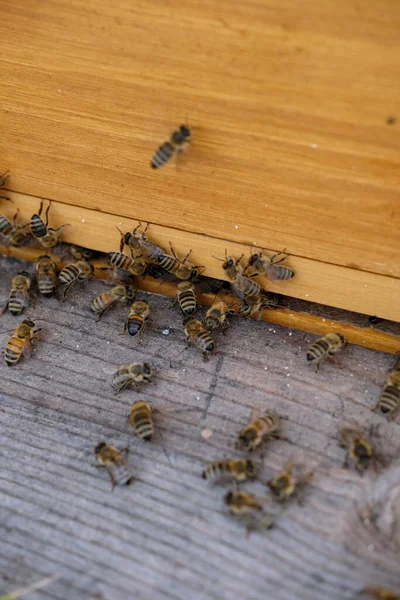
(166, 536)
(323, 283)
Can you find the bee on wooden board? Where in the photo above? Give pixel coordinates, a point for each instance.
(389, 401)
(289, 481)
(140, 418)
(3, 181)
(217, 314)
(177, 143)
(46, 275)
(135, 266)
(15, 235)
(104, 301)
(258, 429)
(46, 236)
(114, 461)
(20, 343)
(235, 469)
(186, 297)
(180, 268)
(198, 335)
(241, 285)
(133, 374)
(360, 453)
(381, 593)
(19, 298)
(138, 316)
(327, 346)
(81, 270)
(140, 245)
(248, 509)
(254, 306)
(270, 266)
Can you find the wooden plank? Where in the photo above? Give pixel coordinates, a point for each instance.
(166, 537)
(291, 143)
(322, 283)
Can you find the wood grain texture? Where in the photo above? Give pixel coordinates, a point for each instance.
(288, 104)
(323, 283)
(166, 537)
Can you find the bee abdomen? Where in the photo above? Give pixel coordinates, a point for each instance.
(389, 401)
(166, 262)
(119, 260)
(15, 307)
(280, 273)
(205, 341)
(98, 304)
(143, 427)
(5, 225)
(188, 302)
(46, 287)
(38, 228)
(68, 274)
(162, 155)
(317, 350)
(135, 324)
(13, 351)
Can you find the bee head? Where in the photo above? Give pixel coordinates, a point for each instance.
(29, 323)
(228, 498)
(342, 338)
(99, 448)
(228, 264)
(147, 368)
(253, 258)
(185, 131)
(24, 274)
(250, 469)
(362, 452)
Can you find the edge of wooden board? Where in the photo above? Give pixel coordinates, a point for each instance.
(322, 283)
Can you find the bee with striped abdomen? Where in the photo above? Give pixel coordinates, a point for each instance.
(114, 462)
(257, 430)
(104, 301)
(186, 297)
(389, 401)
(289, 481)
(46, 236)
(359, 451)
(248, 510)
(139, 313)
(133, 374)
(19, 298)
(255, 305)
(21, 342)
(135, 266)
(15, 235)
(140, 244)
(217, 314)
(180, 268)
(241, 285)
(177, 143)
(327, 346)
(198, 335)
(270, 266)
(235, 469)
(140, 418)
(81, 270)
(46, 275)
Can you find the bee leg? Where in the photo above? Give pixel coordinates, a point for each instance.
(113, 482)
(4, 309)
(15, 218)
(125, 328)
(61, 226)
(206, 357)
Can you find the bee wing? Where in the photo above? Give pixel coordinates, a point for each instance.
(254, 414)
(27, 348)
(23, 298)
(110, 369)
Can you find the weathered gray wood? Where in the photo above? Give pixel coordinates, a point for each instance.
(166, 536)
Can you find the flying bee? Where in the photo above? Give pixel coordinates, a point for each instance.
(186, 297)
(257, 430)
(288, 482)
(81, 270)
(359, 451)
(135, 266)
(381, 593)
(15, 235)
(133, 374)
(19, 293)
(21, 342)
(114, 462)
(329, 345)
(198, 335)
(248, 509)
(46, 275)
(141, 419)
(180, 268)
(389, 401)
(241, 285)
(136, 320)
(140, 244)
(104, 301)
(235, 469)
(47, 236)
(270, 266)
(177, 143)
(255, 305)
(217, 314)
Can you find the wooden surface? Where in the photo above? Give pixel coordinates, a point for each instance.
(166, 537)
(288, 105)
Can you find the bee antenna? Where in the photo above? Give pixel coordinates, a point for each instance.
(119, 230)
(220, 259)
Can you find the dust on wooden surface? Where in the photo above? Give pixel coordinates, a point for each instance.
(166, 536)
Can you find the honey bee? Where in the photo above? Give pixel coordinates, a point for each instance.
(257, 430)
(389, 400)
(217, 314)
(19, 293)
(241, 285)
(255, 305)
(248, 509)
(136, 320)
(141, 419)
(135, 266)
(104, 301)
(14, 234)
(46, 275)
(21, 342)
(328, 345)
(80, 252)
(3, 181)
(180, 268)
(133, 374)
(81, 270)
(359, 451)
(288, 482)
(177, 143)
(235, 469)
(114, 462)
(198, 335)
(47, 236)
(270, 266)
(140, 244)
(186, 297)
(381, 593)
